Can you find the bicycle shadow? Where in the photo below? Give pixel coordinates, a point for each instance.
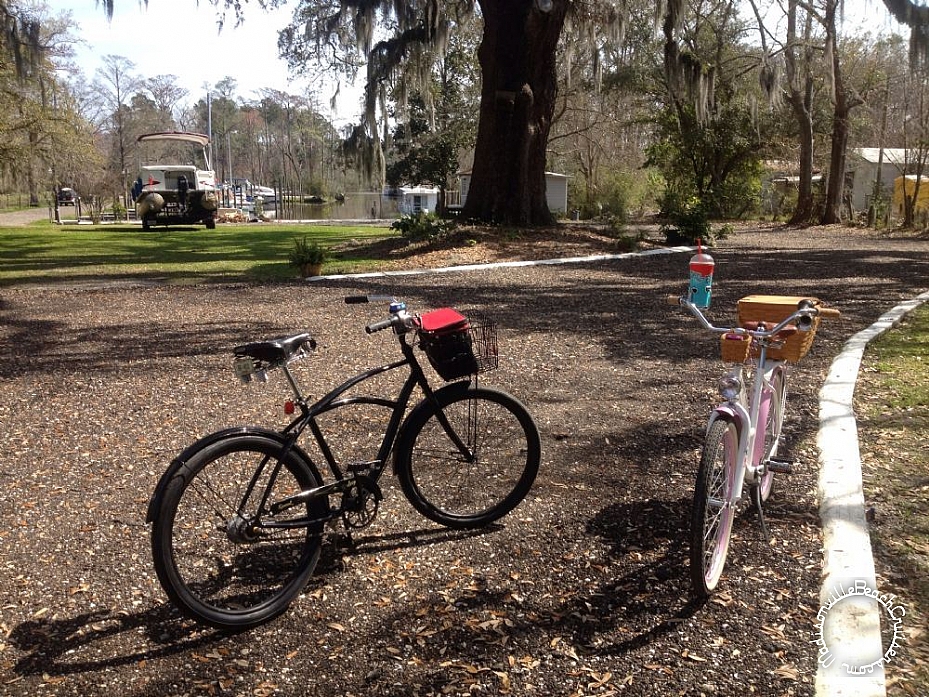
(647, 598)
(53, 645)
(654, 595)
(355, 544)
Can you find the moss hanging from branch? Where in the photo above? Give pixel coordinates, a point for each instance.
(20, 39)
(689, 79)
(916, 17)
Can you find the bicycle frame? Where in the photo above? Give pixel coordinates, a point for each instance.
(335, 400)
(750, 418)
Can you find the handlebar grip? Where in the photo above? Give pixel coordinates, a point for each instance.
(673, 299)
(829, 312)
(356, 299)
(378, 326)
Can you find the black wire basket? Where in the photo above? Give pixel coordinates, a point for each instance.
(466, 348)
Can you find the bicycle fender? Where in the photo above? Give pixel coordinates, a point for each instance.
(424, 405)
(727, 412)
(178, 462)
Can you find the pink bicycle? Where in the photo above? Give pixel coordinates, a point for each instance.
(744, 431)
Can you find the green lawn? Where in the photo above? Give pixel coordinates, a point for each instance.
(44, 252)
(892, 403)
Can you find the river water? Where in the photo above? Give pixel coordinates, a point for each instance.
(360, 205)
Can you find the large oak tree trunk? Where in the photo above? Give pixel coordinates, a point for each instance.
(517, 57)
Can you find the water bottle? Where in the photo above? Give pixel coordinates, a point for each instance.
(701, 278)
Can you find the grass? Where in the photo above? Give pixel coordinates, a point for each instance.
(893, 410)
(45, 252)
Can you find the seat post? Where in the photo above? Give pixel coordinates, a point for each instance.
(293, 383)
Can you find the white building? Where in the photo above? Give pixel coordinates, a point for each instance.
(414, 199)
(556, 190)
(861, 172)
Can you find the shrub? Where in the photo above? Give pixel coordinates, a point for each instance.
(306, 253)
(422, 225)
(687, 220)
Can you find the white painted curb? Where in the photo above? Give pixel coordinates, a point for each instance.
(504, 264)
(853, 632)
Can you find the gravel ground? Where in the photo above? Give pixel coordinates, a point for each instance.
(582, 591)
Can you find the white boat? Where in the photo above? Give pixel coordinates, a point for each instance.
(246, 191)
(175, 194)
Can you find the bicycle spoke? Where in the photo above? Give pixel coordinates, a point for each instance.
(711, 522)
(461, 491)
(209, 556)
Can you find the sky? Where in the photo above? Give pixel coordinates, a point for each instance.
(181, 38)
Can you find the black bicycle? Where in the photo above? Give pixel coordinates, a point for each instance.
(237, 518)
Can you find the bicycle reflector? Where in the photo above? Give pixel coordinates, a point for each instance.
(289, 407)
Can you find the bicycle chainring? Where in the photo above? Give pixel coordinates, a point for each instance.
(360, 502)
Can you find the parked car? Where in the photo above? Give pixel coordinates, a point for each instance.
(175, 194)
(67, 196)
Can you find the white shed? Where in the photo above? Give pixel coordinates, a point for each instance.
(414, 199)
(861, 172)
(556, 190)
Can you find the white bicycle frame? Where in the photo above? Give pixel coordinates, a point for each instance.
(750, 418)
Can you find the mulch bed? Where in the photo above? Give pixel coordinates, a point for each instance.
(583, 590)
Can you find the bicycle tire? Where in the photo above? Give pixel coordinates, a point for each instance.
(772, 438)
(211, 570)
(458, 492)
(712, 516)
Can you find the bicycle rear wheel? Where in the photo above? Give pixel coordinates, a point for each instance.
(212, 557)
(473, 489)
(712, 514)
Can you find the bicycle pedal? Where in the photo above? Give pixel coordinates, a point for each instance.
(781, 466)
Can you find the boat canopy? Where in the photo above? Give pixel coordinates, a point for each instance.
(200, 139)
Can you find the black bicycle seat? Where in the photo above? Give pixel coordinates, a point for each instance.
(274, 350)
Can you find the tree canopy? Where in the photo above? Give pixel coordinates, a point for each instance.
(586, 88)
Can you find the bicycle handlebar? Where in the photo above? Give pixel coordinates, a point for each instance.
(803, 316)
(399, 319)
(381, 325)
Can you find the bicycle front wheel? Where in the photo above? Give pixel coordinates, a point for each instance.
(214, 555)
(481, 482)
(712, 514)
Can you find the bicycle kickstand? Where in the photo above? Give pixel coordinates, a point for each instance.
(764, 525)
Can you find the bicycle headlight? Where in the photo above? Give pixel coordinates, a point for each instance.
(730, 386)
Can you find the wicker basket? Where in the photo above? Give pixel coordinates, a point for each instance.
(734, 348)
(771, 309)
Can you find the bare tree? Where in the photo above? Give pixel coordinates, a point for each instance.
(798, 59)
(114, 85)
(165, 92)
